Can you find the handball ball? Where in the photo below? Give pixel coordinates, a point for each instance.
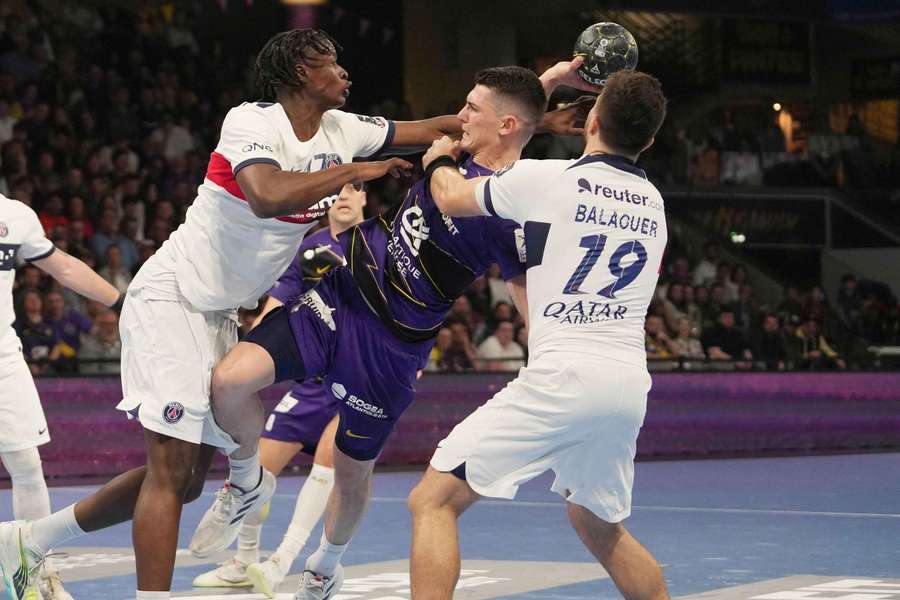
(606, 48)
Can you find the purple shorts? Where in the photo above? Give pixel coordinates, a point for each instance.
(302, 415)
(333, 334)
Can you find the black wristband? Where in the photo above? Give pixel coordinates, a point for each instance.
(119, 303)
(444, 160)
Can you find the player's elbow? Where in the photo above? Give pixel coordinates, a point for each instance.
(263, 207)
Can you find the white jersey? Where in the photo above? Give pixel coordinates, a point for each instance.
(223, 256)
(21, 239)
(595, 232)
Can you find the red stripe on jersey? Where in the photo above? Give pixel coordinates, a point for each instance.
(219, 172)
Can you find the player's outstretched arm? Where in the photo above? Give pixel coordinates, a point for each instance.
(422, 133)
(272, 192)
(75, 275)
(453, 194)
(566, 73)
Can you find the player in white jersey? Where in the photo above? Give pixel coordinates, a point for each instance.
(595, 232)
(264, 188)
(22, 424)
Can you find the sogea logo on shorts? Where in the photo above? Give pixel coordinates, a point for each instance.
(340, 392)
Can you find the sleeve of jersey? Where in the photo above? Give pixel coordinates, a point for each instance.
(35, 246)
(248, 138)
(507, 245)
(510, 192)
(290, 285)
(368, 135)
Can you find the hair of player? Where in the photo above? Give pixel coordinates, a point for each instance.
(276, 62)
(631, 109)
(521, 86)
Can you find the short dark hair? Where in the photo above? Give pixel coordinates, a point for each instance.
(518, 84)
(631, 108)
(276, 61)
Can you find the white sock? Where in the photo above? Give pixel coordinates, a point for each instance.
(52, 531)
(31, 500)
(307, 512)
(153, 595)
(245, 472)
(325, 560)
(248, 537)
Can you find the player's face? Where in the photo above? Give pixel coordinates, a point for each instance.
(348, 209)
(326, 79)
(480, 122)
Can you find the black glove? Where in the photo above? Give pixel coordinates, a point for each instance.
(315, 263)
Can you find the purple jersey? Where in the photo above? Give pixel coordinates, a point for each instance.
(302, 414)
(291, 283)
(412, 264)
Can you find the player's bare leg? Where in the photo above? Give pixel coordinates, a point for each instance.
(245, 370)
(436, 504)
(157, 514)
(633, 569)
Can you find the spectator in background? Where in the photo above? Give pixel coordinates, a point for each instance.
(656, 341)
(746, 309)
(815, 305)
(68, 325)
(705, 271)
(685, 345)
(849, 301)
(461, 312)
(716, 304)
(724, 341)
(816, 352)
(723, 278)
(461, 355)
(442, 343)
(694, 314)
(77, 215)
(114, 271)
(51, 215)
(793, 346)
(769, 346)
(479, 295)
(674, 306)
(498, 288)
(735, 280)
(499, 351)
(103, 345)
(680, 271)
(36, 334)
(792, 303)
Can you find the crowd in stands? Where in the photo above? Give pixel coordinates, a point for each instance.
(107, 119)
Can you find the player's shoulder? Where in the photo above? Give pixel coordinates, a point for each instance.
(13, 209)
(254, 110)
(340, 118)
(529, 168)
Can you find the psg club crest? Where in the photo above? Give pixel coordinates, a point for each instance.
(173, 412)
(4, 230)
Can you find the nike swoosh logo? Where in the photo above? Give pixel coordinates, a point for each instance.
(321, 270)
(41, 431)
(359, 437)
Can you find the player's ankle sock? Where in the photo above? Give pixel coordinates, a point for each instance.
(52, 531)
(326, 559)
(153, 595)
(245, 472)
(248, 543)
(307, 512)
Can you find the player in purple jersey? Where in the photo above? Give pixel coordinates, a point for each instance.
(368, 328)
(304, 421)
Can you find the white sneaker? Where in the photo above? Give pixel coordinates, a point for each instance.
(267, 576)
(220, 525)
(51, 587)
(318, 587)
(229, 574)
(18, 562)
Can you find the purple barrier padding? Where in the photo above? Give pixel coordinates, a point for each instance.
(689, 415)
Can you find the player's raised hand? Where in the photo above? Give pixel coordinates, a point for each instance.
(566, 73)
(568, 120)
(395, 167)
(444, 146)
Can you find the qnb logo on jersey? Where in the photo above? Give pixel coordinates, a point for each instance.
(257, 147)
(173, 412)
(357, 403)
(619, 194)
(414, 230)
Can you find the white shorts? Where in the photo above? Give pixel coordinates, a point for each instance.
(22, 422)
(169, 349)
(581, 421)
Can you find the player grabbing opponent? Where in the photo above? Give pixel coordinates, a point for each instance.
(303, 420)
(22, 424)
(273, 165)
(593, 258)
(368, 328)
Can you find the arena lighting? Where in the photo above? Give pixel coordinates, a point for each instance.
(776, 106)
(737, 238)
